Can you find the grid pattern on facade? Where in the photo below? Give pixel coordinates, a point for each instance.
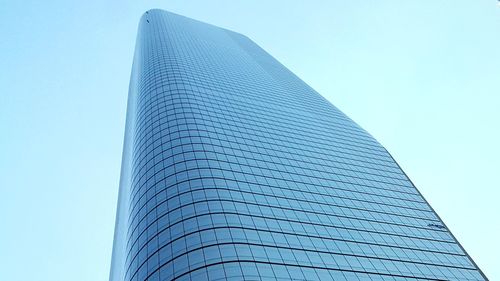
(240, 170)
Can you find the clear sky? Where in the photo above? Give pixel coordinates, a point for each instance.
(422, 76)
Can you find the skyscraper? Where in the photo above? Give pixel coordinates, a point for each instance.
(233, 168)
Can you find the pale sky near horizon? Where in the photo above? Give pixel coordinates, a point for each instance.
(423, 77)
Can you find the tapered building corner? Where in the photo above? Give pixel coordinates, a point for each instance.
(235, 169)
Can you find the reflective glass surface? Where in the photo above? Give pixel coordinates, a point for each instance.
(236, 169)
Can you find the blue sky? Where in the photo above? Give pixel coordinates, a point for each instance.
(422, 76)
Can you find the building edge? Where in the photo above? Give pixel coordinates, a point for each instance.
(437, 215)
(119, 253)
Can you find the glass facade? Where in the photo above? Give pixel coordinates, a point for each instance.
(233, 168)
